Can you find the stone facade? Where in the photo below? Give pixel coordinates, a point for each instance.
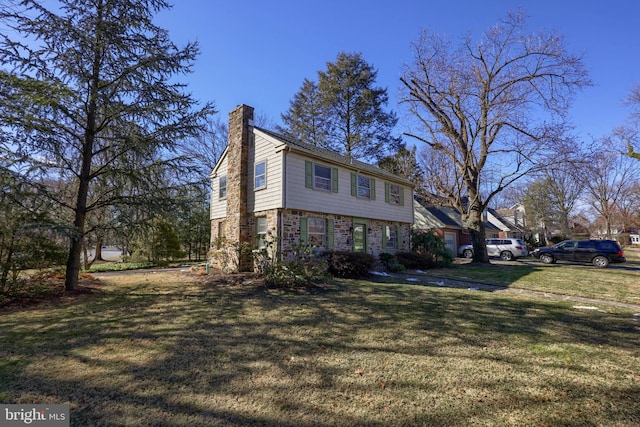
(236, 224)
(343, 232)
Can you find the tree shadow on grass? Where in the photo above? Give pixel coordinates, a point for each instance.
(211, 353)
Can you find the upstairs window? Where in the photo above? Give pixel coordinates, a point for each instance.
(260, 175)
(222, 187)
(363, 187)
(393, 194)
(320, 177)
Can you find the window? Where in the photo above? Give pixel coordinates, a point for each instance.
(364, 187)
(260, 175)
(321, 177)
(394, 194)
(316, 231)
(586, 244)
(391, 235)
(261, 232)
(220, 238)
(222, 193)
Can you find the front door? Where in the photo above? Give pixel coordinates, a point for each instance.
(359, 237)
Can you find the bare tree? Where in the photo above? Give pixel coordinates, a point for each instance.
(207, 147)
(609, 177)
(490, 111)
(565, 187)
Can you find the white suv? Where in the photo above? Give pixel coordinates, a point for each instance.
(507, 249)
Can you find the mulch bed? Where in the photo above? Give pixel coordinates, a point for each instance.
(46, 290)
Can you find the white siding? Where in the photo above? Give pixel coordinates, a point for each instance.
(342, 202)
(269, 197)
(218, 207)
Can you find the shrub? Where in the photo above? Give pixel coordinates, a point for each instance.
(390, 262)
(351, 265)
(387, 259)
(414, 260)
(431, 245)
(304, 269)
(396, 267)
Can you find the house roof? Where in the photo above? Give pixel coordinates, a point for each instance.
(333, 157)
(446, 217)
(505, 221)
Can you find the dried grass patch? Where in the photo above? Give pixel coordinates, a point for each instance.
(176, 348)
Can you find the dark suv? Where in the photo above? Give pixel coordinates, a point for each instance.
(598, 252)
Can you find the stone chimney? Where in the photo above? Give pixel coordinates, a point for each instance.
(237, 226)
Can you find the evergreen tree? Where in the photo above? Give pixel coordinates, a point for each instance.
(344, 111)
(305, 120)
(405, 164)
(90, 95)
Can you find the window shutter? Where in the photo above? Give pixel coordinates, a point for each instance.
(304, 230)
(373, 189)
(386, 192)
(354, 184)
(384, 238)
(396, 233)
(308, 174)
(401, 196)
(334, 180)
(330, 234)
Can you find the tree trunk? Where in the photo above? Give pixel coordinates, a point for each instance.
(98, 252)
(84, 178)
(73, 262)
(473, 222)
(85, 256)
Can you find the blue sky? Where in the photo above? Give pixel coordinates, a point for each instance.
(259, 52)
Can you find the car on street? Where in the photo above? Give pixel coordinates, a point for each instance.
(597, 252)
(508, 249)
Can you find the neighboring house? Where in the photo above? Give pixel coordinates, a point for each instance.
(516, 215)
(271, 191)
(511, 222)
(446, 222)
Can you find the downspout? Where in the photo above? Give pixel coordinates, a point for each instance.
(413, 218)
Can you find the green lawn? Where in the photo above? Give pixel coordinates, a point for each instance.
(619, 282)
(179, 349)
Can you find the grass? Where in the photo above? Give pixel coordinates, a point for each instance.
(620, 282)
(174, 348)
(118, 266)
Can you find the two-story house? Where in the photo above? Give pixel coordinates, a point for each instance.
(268, 188)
